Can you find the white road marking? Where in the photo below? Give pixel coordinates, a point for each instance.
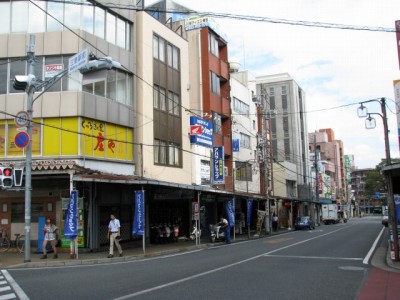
(317, 257)
(220, 268)
(3, 282)
(8, 296)
(17, 289)
(371, 251)
(5, 288)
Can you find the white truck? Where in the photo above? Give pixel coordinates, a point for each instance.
(330, 214)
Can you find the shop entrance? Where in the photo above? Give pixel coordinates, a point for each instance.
(122, 212)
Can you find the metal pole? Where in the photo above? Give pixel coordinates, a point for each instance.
(28, 163)
(390, 186)
(144, 227)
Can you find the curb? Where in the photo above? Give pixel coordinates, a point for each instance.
(389, 260)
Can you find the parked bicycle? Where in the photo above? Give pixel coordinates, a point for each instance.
(6, 243)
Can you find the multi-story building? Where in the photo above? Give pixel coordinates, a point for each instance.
(332, 154)
(358, 177)
(285, 111)
(79, 125)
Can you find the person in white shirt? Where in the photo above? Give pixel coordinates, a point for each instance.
(114, 231)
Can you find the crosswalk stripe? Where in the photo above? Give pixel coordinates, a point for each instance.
(8, 296)
(3, 282)
(17, 289)
(5, 288)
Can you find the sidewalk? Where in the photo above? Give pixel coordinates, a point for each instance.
(13, 259)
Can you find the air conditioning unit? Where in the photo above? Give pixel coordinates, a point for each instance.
(255, 99)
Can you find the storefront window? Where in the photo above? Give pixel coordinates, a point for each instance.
(18, 212)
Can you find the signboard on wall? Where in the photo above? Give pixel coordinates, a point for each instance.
(52, 70)
(396, 85)
(218, 166)
(206, 137)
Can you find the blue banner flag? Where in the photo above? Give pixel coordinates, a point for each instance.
(138, 221)
(71, 217)
(231, 213)
(249, 209)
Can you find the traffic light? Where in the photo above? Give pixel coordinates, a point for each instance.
(6, 177)
(22, 82)
(104, 63)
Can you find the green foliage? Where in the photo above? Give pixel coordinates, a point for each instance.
(375, 181)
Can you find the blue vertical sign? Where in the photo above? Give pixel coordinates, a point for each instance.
(235, 145)
(218, 166)
(71, 220)
(249, 210)
(231, 213)
(138, 220)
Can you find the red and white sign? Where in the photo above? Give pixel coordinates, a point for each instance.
(52, 70)
(196, 129)
(397, 27)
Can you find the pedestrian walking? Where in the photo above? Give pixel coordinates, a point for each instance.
(50, 232)
(275, 221)
(114, 235)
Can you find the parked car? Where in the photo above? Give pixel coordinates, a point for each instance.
(304, 223)
(385, 218)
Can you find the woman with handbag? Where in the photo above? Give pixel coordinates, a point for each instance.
(50, 232)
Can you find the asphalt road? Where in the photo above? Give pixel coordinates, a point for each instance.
(326, 263)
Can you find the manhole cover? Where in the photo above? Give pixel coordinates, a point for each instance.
(351, 268)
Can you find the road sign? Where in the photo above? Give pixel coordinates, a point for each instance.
(22, 119)
(78, 61)
(21, 139)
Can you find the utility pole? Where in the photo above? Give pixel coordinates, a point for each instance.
(316, 152)
(28, 164)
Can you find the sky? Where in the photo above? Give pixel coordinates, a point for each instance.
(334, 67)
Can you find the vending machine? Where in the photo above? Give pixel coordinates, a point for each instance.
(81, 224)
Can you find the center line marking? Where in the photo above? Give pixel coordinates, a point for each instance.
(316, 257)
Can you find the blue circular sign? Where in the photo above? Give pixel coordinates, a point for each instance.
(21, 139)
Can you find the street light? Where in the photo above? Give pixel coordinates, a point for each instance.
(370, 123)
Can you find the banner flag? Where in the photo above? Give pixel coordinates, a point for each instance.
(249, 209)
(71, 217)
(138, 220)
(230, 212)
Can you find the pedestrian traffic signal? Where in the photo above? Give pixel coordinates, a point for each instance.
(6, 177)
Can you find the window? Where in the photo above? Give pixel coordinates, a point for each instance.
(287, 149)
(213, 44)
(121, 33)
(173, 103)
(57, 11)
(53, 60)
(244, 140)
(16, 68)
(18, 212)
(158, 48)
(173, 56)
(99, 22)
(3, 76)
(37, 18)
(163, 99)
(271, 91)
(217, 122)
(173, 155)
(110, 28)
(88, 13)
(156, 98)
(284, 90)
(241, 107)
(19, 16)
(72, 16)
(284, 102)
(5, 17)
(272, 102)
(243, 171)
(214, 83)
